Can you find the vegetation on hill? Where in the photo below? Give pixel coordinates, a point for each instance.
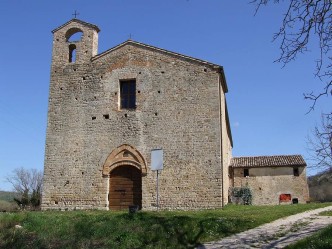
(7, 196)
(320, 186)
(104, 229)
(7, 202)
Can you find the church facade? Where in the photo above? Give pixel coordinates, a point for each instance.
(108, 111)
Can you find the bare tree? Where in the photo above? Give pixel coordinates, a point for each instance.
(320, 144)
(306, 22)
(27, 184)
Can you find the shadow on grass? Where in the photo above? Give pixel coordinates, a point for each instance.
(120, 230)
(180, 231)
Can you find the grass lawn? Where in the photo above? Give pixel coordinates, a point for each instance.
(320, 240)
(105, 229)
(326, 213)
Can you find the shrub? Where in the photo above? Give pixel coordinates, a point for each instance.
(241, 195)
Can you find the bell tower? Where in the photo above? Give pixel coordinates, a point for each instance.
(74, 42)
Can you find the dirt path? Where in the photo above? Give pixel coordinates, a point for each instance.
(276, 234)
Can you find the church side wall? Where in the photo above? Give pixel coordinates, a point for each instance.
(226, 147)
(268, 183)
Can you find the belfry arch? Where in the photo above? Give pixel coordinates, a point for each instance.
(74, 35)
(124, 167)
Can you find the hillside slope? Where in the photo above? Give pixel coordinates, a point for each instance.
(7, 196)
(320, 186)
(7, 202)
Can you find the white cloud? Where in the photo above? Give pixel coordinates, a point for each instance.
(236, 124)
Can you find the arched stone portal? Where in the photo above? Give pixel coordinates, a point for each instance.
(125, 167)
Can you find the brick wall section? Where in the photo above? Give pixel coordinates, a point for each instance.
(178, 110)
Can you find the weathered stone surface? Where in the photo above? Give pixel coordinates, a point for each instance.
(268, 183)
(180, 107)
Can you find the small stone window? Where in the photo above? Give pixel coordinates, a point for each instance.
(72, 53)
(245, 172)
(296, 172)
(128, 94)
(295, 200)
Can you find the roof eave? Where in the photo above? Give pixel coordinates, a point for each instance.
(268, 166)
(223, 79)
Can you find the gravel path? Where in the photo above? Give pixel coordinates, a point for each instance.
(276, 234)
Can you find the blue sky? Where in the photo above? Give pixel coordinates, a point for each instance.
(265, 101)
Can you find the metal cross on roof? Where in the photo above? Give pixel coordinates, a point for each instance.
(76, 14)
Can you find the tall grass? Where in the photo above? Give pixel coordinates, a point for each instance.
(102, 229)
(320, 240)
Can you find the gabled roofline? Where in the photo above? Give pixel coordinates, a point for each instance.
(143, 45)
(78, 21)
(218, 68)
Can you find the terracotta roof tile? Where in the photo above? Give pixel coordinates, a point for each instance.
(267, 161)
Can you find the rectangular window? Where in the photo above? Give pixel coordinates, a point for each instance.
(128, 94)
(296, 172)
(245, 172)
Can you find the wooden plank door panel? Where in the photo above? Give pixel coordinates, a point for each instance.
(125, 188)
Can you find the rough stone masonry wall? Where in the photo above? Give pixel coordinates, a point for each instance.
(65, 185)
(267, 183)
(177, 110)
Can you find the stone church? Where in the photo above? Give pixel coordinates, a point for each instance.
(108, 111)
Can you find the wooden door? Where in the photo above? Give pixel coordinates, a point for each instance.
(125, 188)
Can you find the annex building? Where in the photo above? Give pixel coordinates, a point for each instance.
(108, 111)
